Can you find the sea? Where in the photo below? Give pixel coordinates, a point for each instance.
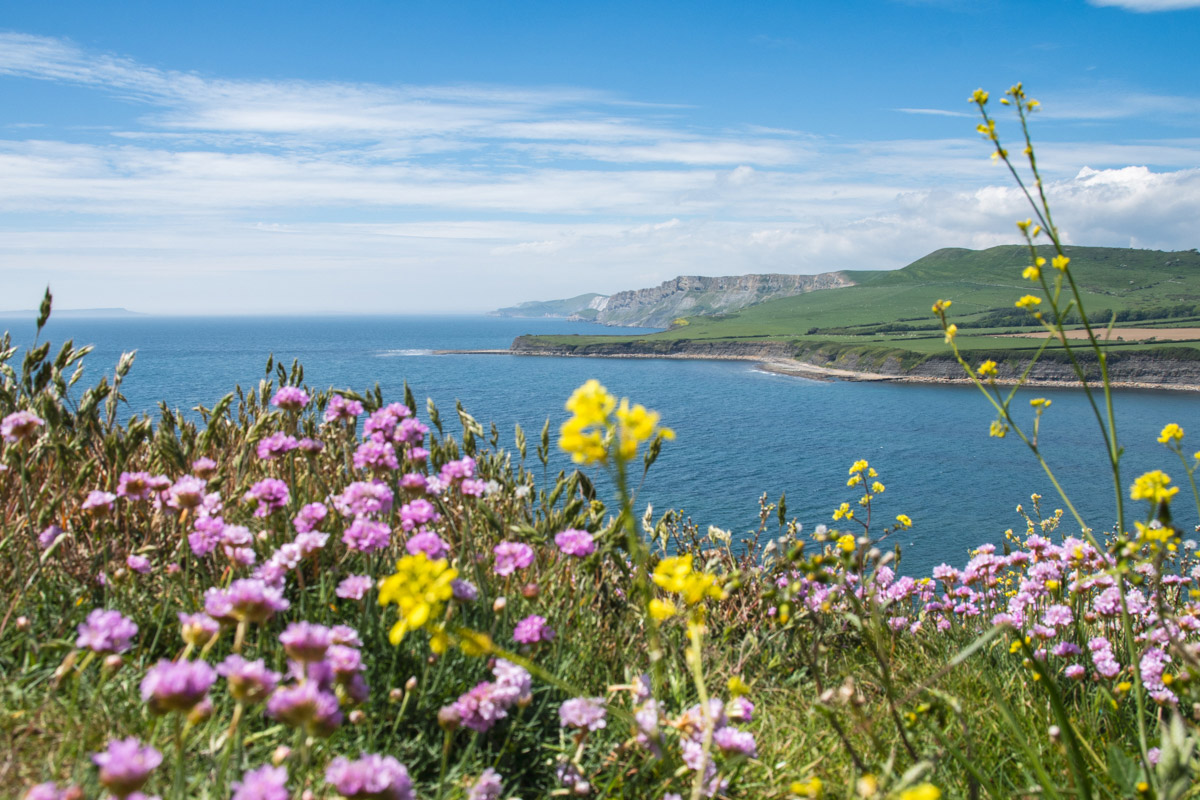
(741, 432)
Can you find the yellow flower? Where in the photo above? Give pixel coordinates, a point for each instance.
(979, 96)
(987, 369)
(855, 480)
(877, 487)
(951, 331)
(811, 788)
(590, 432)
(1171, 431)
(1028, 302)
(420, 588)
(846, 543)
(941, 305)
(926, 791)
(843, 512)
(904, 520)
(738, 687)
(1060, 263)
(675, 575)
(1034, 270)
(1039, 403)
(662, 609)
(858, 466)
(1152, 486)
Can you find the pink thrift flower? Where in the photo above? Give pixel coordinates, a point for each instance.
(533, 629)
(139, 564)
(575, 543)
(354, 587)
(290, 398)
(276, 445)
(98, 504)
(20, 425)
(511, 556)
(366, 536)
(340, 408)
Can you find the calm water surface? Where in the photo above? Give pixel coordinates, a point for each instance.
(741, 432)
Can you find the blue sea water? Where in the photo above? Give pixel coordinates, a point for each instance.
(741, 431)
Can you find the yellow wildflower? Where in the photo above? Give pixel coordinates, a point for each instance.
(846, 543)
(590, 431)
(941, 305)
(926, 791)
(1039, 403)
(904, 520)
(1028, 302)
(877, 487)
(951, 331)
(979, 96)
(987, 369)
(811, 788)
(858, 466)
(1060, 263)
(1152, 486)
(1171, 431)
(662, 609)
(843, 512)
(738, 687)
(420, 587)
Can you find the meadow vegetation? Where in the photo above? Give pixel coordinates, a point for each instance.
(309, 593)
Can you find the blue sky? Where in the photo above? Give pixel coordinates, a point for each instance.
(411, 156)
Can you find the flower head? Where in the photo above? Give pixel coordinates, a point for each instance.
(176, 685)
(125, 765)
(20, 425)
(265, 783)
(420, 587)
(583, 713)
(575, 543)
(290, 398)
(371, 776)
(106, 631)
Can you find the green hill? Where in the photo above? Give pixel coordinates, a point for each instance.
(578, 305)
(892, 309)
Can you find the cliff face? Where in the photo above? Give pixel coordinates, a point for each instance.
(693, 295)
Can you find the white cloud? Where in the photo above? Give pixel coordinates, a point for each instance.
(244, 196)
(1148, 5)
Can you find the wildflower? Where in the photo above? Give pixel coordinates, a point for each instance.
(1152, 486)
(354, 587)
(429, 543)
(511, 556)
(420, 587)
(306, 641)
(417, 513)
(675, 575)
(489, 786)
(843, 512)
(951, 332)
(464, 591)
(1040, 403)
(20, 425)
(662, 609)
(271, 494)
(139, 564)
(371, 776)
(49, 535)
(377, 456)
(340, 408)
(941, 305)
(583, 713)
(382, 424)
(311, 446)
(589, 432)
(411, 432)
(533, 629)
(575, 543)
(198, 629)
(998, 429)
(176, 685)
(488, 703)
(306, 705)
(290, 398)
(1028, 302)
(734, 741)
(185, 493)
(361, 498)
(458, 470)
(987, 369)
(98, 503)
(265, 783)
(246, 600)
(204, 467)
(1171, 432)
(125, 765)
(106, 631)
(1060, 263)
(926, 791)
(366, 536)
(134, 485)
(979, 97)
(45, 791)
(276, 445)
(249, 681)
(904, 520)
(1034, 271)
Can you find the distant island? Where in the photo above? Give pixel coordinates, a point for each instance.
(31, 313)
(878, 325)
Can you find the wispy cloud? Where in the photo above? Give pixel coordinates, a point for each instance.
(303, 194)
(1145, 6)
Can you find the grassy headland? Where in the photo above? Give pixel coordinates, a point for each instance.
(886, 314)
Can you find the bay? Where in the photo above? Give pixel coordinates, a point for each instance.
(741, 432)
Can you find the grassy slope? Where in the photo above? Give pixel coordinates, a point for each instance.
(977, 282)
(549, 308)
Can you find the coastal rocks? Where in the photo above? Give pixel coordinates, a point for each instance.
(695, 295)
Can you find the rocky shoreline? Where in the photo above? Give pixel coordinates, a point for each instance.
(1128, 371)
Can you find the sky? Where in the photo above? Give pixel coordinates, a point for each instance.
(428, 157)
